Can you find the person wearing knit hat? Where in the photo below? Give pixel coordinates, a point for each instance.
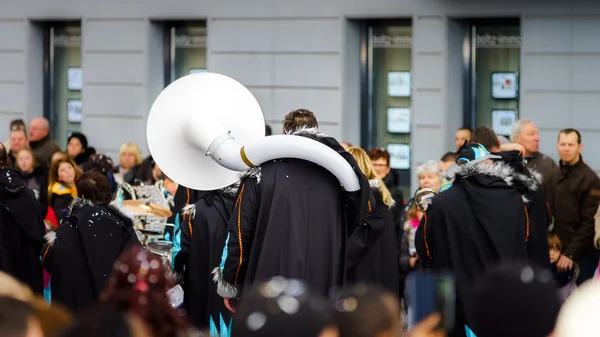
(473, 225)
(514, 299)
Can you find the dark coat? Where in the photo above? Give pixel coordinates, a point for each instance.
(203, 236)
(80, 254)
(574, 198)
(38, 181)
(528, 183)
(293, 218)
(21, 230)
(477, 223)
(373, 248)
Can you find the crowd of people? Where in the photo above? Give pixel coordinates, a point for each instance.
(285, 251)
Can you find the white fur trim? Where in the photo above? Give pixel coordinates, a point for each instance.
(253, 172)
(50, 237)
(36, 193)
(232, 189)
(307, 131)
(224, 288)
(189, 210)
(374, 183)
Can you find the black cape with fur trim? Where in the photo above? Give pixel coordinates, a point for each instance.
(373, 248)
(21, 230)
(477, 223)
(81, 252)
(291, 219)
(203, 235)
(528, 184)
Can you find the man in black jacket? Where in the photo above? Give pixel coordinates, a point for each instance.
(21, 227)
(574, 196)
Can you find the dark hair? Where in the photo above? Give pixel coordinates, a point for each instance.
(144, 293)
(81, 137)
(569, 131)
(299, 118)
(266, 301)
(378, 153)
(268, 131)
(449, 156)
(372, 312)
(466, 128)
(14, 316)
(4, 160)
(485, 136)
(17, 124)
(94, 186)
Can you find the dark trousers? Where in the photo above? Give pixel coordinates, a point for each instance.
(588, 262)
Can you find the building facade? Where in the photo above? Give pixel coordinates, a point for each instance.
(401, 74)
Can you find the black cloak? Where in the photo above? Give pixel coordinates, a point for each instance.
(291, 219)
(528, 184)
(21, 230)
(477, 223)
(203, 235)
(80, 253)
(374, 247)
(183, 197)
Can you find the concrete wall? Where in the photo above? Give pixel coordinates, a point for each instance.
(294, 54)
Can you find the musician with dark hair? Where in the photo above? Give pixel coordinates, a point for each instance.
(79, 254)
(21, 227)
(291, 219)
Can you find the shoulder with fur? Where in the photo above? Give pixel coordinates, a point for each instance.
(306, 131)
(253, 173)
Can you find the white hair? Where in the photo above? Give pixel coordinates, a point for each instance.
(517, 128)
(430, 166)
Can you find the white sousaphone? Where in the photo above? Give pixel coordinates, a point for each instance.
(206, 128)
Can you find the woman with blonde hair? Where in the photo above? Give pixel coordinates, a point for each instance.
(130, 158)
(373, 247)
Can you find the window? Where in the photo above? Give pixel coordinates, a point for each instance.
(388, 107)
(185, 49)
(64, 79)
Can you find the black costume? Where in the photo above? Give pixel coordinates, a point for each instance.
(374, 247)
(80, 253)
(204, 231)
(470, 227)
(21, 230)
(291, 219)
(528, 184)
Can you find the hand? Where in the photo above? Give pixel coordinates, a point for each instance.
(513, 147)
(428, 327)
(229, 305)
(412, 261)
(564, 263)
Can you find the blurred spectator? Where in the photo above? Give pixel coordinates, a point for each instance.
(565, 281)
(59, 155)
(574, 198)
(282, 307)
(61, 185)
(138, 285)
(463, 135)
(525, 132)
(18, 141)
(391, 178)
(346, 145)
(103, 164)
(130, 159)
(108, 323)
(36, 176)
(39, 140)
(78, 149)
(448, 159)
(268, 131)
(17, 319)
(579, 315)
(14, 125)
(516, 300)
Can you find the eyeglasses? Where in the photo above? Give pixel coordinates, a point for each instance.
(17, 128)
